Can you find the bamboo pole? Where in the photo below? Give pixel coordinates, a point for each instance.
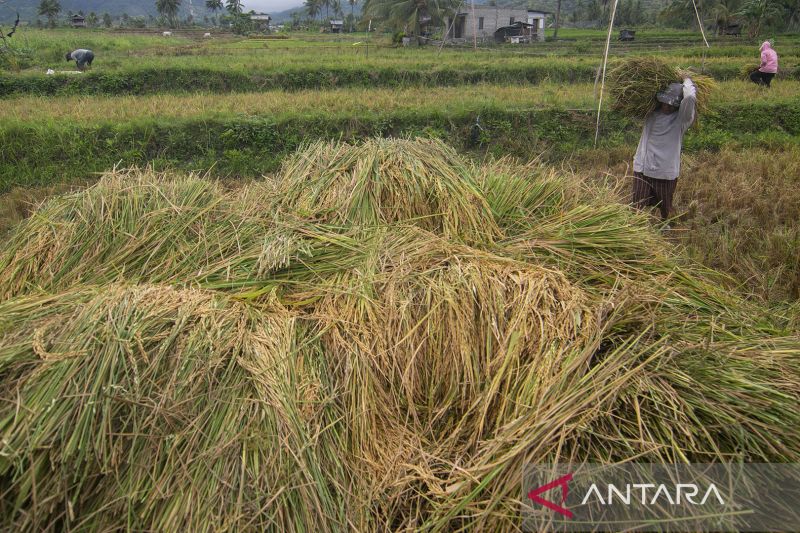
(605, 64)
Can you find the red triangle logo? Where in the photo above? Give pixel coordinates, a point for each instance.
(560, 482)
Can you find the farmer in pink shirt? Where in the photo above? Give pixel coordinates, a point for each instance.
(769, 66)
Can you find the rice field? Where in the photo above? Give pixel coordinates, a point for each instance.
(365, 307)
(348, 102)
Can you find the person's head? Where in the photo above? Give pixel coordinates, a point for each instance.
(669, 99)
(766, 45)
(69, 56)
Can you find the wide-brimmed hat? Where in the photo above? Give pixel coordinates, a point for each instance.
(672, 95)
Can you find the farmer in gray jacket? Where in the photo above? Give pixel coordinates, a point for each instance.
(658, 157)
(82, 58)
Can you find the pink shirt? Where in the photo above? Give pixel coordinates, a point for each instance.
(769, 59)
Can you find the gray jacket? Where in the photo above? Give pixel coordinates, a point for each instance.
(659, 152)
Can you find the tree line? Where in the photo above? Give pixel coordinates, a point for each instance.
(412, 16)
(167, 9)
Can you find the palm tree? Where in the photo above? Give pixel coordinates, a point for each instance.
(558, 19)
(757, 13)
(50, 9)
(313, 8)
(234, 7)
(214, 5)
(352, 16)
(723, 12)
(406, 13)
(337, 8)
(791, 9)
(168, 9)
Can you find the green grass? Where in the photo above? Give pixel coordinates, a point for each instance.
(55, 152)
(342, 103)
(49, 46)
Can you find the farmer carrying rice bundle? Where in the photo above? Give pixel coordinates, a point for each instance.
(669, 101)
(83, 58)
(657, 162)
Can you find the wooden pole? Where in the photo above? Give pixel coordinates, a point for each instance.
(369, 29)
(605, 63)
(474, 27)
(558, 19)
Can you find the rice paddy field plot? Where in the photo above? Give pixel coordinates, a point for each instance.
(264, 58)
(49, 46)
(247, 135)
(135, 64)
(532, 319)
(736, 211)
(351, 102)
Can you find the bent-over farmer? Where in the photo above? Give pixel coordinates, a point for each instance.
(83, 58)
(658, 158)
(769, 66)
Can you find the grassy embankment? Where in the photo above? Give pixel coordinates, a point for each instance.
(246, 135)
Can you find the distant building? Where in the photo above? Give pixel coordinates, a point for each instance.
(489, 19)
(78, 21)
(337, 26)
(261, 20)
(519, 32)
(730, 29)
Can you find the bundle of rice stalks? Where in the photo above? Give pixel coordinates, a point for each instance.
(423, 182)
(139, 226)
(436, 347)
(464, 359)
(746, 70)
(634, 83)
(518, 194)
(149, 408)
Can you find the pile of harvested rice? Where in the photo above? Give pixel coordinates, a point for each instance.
(363, 349)
(634, 83)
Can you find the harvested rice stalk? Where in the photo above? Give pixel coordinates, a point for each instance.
(635, 81)
(441, 345)
(706, 87)
(746, 70)
(150, 408)
(139, 226)
(419, 374)
(386, 181)
(519, 194)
